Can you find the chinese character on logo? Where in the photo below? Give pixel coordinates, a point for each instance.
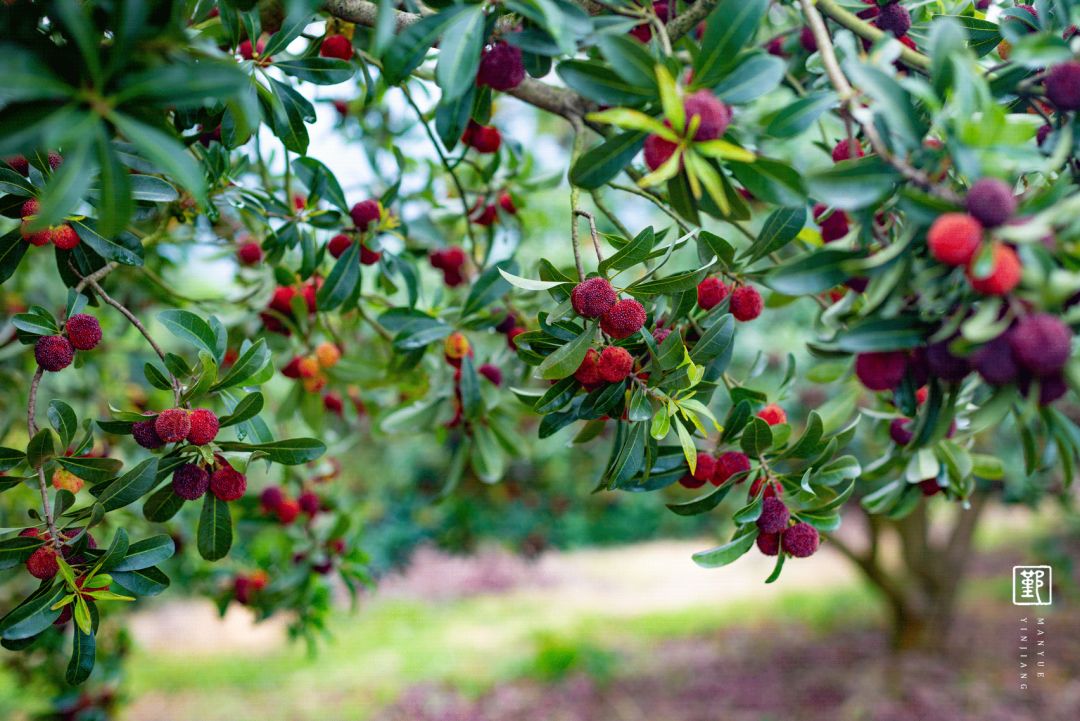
(1031, 585)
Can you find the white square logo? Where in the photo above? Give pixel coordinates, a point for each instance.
(1031, 585)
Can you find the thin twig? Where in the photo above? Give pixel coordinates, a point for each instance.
(177, 388)
(598, 201)
(43, 486)
(592, 230)
(575, 200)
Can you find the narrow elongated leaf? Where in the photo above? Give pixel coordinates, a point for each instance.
(215, 528)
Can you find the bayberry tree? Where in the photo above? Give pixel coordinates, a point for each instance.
(900, 181)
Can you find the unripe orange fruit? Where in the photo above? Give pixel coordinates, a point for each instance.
(327, 354)
(65, 480)
(456, 346)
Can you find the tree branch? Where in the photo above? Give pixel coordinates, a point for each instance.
(560, 101)
(865, 30)
(690, 18)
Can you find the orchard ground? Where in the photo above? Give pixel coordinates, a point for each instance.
(630, 632)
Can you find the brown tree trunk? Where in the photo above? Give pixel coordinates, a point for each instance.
(922, 591)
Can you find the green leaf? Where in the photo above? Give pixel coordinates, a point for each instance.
(12, 250)
(67, 186)
(730, 551)
(131, 486)
(320, 182)
(631, 254)
(780, 228)
(321, 71)
(114, 201)
(797, 117)
(770, 181)
(459, 51)
(892, 102)
(567, 358)
(145, 553)
(704, 504)
(33, 615)
(757, 438)
(408, 49)
(810, 273)
(164, 151)
(123, 248)
(342, 280)
(215, 528)
(628, 59)
(14, 551)
(250, 362)
(27, 77)
(489, 286)
(63, 419)
(144, 582)
(598, 83)
(41, 448)
(729, 28)
(291, 452)
(83, 649)
(854, 184)
(601, 163)
(162, 505)
(756, 74)
(91, 470)
(10, 457)
(189, 327)
(248, 407)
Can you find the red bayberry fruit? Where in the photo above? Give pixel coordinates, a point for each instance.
(309, 502)
(365, 213)
(900, 431)
(954, 238)
(773, 414)
(835, 226)
(483, 214)
(1003, 278)
(501, 67)
(800, 541)
(624, 319)
(615, 364)
(710, 293)
(53, 353)
(338, 245)
(1063, 85)
(83, 331)
(689, 481)
(774, 516)
(491, 372)
(657, 151)
(881, 371)
(448, 259)
(145, 435)
(588, 373)
(929, 487)
(19, 164)
(64, 237)
(807, 40)
(729, 464)
(227, 483)
(713, 116)
(894, 18)
(1042, 344)
(705, 468)
(768, 543)
(746, 303)
(593, 297)
(249, 253)
(511, 337)
(287, 511)
(991, 202)
(369, 256)
(271, 498)
(333, 403)
(246, 53)
(336, 46)
(995, 361)
(173, 425)
(204, 427)
(482, 138)
(506, 202)
(847, 149)
(42, 563)
(190, 481)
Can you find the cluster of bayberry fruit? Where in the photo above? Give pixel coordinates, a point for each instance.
(56, 352)
(776, 532)
(731, 465)
(63, 236)
(310, 369)
(287, 509)
(745, 303)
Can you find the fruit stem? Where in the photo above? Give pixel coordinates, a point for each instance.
(43, 486)
(592, 230)
(575, 200)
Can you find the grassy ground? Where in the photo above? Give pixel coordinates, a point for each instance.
(470, 644)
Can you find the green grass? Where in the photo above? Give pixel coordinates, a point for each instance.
(471, 644)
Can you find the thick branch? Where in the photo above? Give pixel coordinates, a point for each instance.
(865, 30)
(560, 101)
(689, 19)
